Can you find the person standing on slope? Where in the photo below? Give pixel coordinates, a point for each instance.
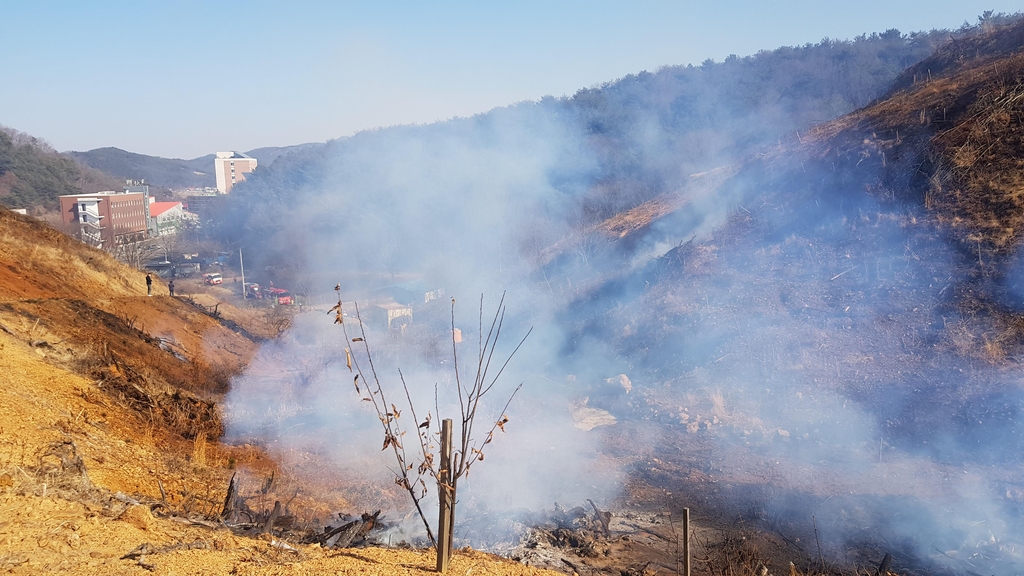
(149, 285)
(170, 286)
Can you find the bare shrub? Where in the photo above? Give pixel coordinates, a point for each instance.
(468, 449)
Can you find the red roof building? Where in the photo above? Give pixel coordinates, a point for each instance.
(168, 216)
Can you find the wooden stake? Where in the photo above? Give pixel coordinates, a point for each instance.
(446, 499)
(883, 568)
(686, 542)
(241, 264)
(229, 500)
(268, 528)
(814, 522)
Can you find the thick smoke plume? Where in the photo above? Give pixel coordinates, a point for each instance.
(789, 331)
(456, 209)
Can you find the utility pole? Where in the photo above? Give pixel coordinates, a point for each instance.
(242, 266)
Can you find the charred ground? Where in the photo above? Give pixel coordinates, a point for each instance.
(821, 336)
(850, 326)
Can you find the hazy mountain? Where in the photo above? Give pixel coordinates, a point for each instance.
(33, 174)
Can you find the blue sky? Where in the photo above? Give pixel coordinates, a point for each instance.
(183, 79)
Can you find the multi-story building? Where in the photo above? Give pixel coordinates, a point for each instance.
(139, 186)
(231, 168)
(102, 218)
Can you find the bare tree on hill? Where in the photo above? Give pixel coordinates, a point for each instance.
(129, 248)
(436, 458)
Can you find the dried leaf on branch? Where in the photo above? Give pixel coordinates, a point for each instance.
(469, 398)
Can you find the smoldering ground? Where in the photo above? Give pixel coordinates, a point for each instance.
(821, 333)
(790, 329)
(807, 334)
(299, 397)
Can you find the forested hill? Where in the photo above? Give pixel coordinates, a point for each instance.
(161, 172)
(604, 149)
(168, 172)
(33, 174)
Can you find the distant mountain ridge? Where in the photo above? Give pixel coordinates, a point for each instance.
(168, 172)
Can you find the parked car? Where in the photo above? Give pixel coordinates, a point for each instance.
(213, 278)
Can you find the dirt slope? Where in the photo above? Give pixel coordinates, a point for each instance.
(951, 140)
(107, 398)
(72, 460)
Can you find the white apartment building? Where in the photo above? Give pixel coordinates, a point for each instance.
(231, 167)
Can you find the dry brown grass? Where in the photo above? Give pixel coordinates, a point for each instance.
(959, 137)
(41, 262)
(261, 321)
(697, 186)
(199, 449)
(85, 312)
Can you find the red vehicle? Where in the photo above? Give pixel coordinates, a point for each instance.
(253, 291)
(281, 296)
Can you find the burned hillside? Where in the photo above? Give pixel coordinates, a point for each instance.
(850, 325)
(818, 339)
(796, 331)
(599, 152)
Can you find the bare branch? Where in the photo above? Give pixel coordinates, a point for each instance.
(469, 397)
(424, 435)
(507, 360)
(497, 423)
(390, 424)
(455, 355)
